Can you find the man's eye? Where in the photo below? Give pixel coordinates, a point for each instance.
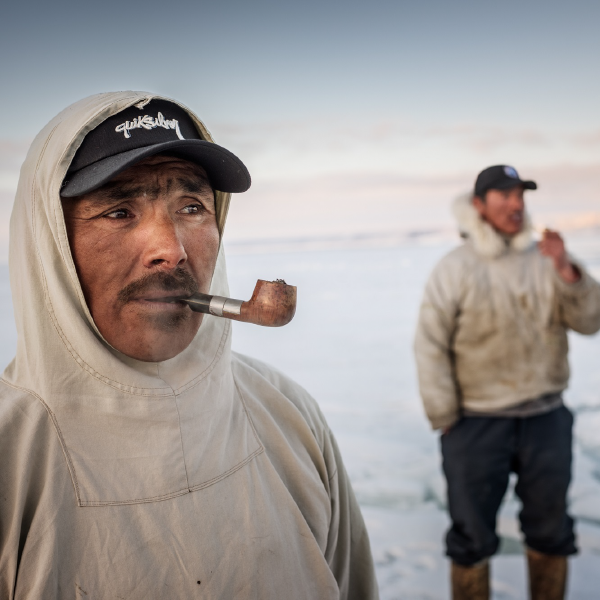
(192, 209)
(119, 213)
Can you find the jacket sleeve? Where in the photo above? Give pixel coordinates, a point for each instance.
(433, 345)
(579, 302)
(348, 550)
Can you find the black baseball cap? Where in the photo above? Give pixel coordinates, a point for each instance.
(500, 177)
(133, 134)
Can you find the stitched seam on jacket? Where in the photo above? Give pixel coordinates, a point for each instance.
(204, 484)
(218, 354)
(250, 367)
(245, 407)
(163, 392)
(34, 180)
(61, 439)
(227, 473)
(249, 458)
(199, 486)
(180, 492)
(187, 478)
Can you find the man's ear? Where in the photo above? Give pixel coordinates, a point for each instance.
(480, 206)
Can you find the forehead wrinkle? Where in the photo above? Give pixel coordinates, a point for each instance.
(118, 191)
(193, 185)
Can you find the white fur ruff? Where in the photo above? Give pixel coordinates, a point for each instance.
(485, 239)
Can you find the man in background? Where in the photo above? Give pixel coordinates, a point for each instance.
(491, 350)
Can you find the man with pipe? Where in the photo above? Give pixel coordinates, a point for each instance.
(141, 457)
(491, 349)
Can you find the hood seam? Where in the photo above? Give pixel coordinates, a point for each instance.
(34, 182)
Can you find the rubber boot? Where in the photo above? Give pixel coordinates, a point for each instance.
(471, 583)
(547, 575)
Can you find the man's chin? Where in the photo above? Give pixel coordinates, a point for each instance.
(159, 316)
(516, 230)
(162, 337)
(510, 228)
(169, 322)
(155, 336)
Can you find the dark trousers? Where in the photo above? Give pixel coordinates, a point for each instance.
(479, 454)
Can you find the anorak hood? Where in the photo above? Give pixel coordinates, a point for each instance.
(486, 241)
(92, 391)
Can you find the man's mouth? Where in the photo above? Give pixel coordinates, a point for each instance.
(173, 299)
(162, 301)
(516, 217)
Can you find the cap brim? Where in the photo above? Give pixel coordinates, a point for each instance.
(510, 183)
(227, 173)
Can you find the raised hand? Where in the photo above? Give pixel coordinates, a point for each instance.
(553, 246)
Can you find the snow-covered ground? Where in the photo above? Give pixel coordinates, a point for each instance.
(350, 346)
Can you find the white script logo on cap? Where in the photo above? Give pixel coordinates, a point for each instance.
(510, 172)
(147, 122)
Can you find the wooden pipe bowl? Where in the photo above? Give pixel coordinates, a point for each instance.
(273, 304)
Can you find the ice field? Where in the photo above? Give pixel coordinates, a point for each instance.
(350, 345)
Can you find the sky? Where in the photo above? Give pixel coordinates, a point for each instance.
(351, 116)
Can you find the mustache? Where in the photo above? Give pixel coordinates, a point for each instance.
(177, 280)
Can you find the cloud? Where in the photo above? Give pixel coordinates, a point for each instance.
(384, 177)
(303, 134)
(587, 139)
(342, 204)
(375, 130)
(281, 149)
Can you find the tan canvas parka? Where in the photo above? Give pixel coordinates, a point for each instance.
(492, 329)
(209, 475)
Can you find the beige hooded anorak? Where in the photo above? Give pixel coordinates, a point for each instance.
(492, 330)
(210, 475)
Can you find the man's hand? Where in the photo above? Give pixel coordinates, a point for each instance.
(553, 246)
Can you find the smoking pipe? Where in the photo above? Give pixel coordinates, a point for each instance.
(273, 304)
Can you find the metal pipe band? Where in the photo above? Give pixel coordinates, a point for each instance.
(233, 307)
(216, 305)
(220, 305)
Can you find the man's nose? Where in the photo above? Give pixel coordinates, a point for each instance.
(162, 244)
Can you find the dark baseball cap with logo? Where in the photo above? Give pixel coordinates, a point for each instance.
(500, 177)
(161, 127)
